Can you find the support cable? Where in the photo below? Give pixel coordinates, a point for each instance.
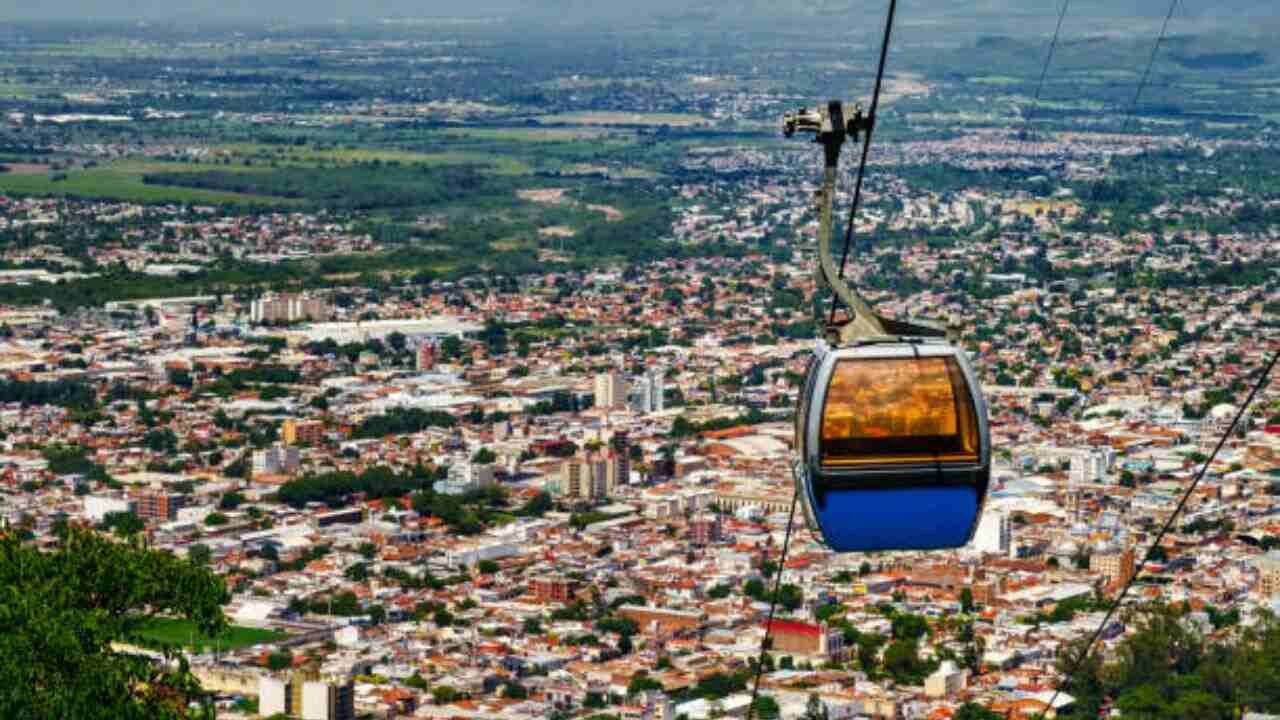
(773, 602)
(1044, 69)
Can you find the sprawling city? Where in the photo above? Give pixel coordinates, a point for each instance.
(426, 366)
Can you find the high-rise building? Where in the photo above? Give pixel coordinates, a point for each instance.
(159, 505)
(274, 697)
(611, 391)
(289, 308)
(425, 357)
(584, 478)
(619, 461)
(1269, 573)
(648, 392)
(1114, 564)
(465, 477)
(657, 390)
(305, 695)
(276, 460)
(1088, 467)
(994, 534)
(301, 432)
(705, 529)
(322, 700)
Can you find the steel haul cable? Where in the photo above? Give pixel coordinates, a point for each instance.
(866, 144)
(1146, 74)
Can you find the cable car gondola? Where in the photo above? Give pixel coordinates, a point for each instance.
(891, 425)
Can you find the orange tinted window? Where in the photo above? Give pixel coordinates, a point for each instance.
(897, 410)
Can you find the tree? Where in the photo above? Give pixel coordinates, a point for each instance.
(63, 609)
(537, 506)
(443, 694)
(966, 601)
(279, 660)
(230, 501)
(909, 627)
(513, 690)
(199, 554)
(123, 524)
(640, 682)
(815, 709)
(974, 711)
(902, 661)
(765, 708)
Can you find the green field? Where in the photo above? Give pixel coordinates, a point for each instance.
(123, 181)
(623, 118)
(306, 156)
(533, 134)
(170, 631)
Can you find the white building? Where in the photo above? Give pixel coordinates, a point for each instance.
(1088, 467)
(465, 477)
(273, 696)
(584, 478)
(289, 308)
(276, 460)
(648, 392)
(946, 680)
(610, 390)
(994, 534)
(469, 554)
(96, 507)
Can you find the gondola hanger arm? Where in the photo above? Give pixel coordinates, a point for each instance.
(831, 129)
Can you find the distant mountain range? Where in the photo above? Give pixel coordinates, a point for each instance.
(997, 16)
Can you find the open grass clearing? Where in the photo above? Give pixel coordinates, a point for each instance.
(183, 633)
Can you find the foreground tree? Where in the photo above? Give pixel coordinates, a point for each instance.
(61, 610)
(1166, 669)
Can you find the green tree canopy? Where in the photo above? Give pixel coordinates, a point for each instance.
(61, 610)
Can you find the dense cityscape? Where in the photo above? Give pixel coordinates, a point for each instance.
(505, 430)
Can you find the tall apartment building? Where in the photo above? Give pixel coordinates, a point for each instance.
(305, 695)
(1116, 565)
(584, 478)
(994, 533)
(611, 390)
(648, 395)
(465, 477)
(301, 432)
(1269, 573)
(158, 505)
(619, 460)
(276, 460)
(425, 356)
(289, 308)
(553, 588)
